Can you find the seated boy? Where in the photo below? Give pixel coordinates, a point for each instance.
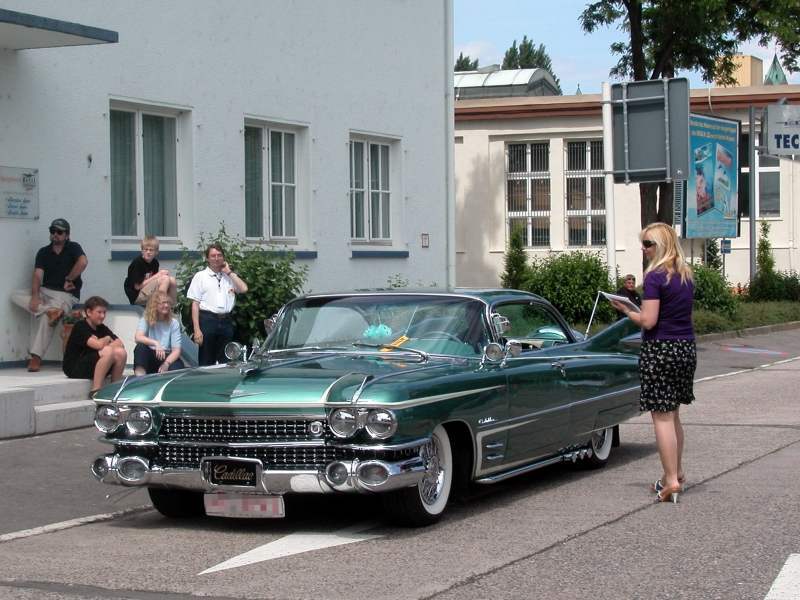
(145, 277)
(93, 351)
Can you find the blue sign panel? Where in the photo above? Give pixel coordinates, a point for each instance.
(712, 195)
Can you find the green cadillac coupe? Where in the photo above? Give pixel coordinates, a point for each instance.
(409, 395)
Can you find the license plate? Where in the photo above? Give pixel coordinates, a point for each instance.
(244, 506)
(241, 473)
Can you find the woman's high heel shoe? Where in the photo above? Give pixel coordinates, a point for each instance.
(657, 486)
(668, 494)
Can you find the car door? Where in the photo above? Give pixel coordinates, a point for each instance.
(538, 391)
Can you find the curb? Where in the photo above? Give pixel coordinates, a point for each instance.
(712, 337)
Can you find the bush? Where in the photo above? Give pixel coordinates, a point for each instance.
(570, 281)
(272, 279)
(516, 269)
(711, 292)
(706, 321)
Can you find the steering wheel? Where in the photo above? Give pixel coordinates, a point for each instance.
(440, 333)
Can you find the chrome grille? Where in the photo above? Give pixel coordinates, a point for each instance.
(283, 457)
(221, 429)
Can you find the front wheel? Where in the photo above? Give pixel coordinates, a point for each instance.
(177, 504)
(600, 445)
(425, 503)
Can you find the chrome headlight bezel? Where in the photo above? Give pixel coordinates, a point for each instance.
(380, 423)
(111, 414)
(352, 417)
(146, 417)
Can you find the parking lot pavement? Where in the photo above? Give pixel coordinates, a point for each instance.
(555, 533)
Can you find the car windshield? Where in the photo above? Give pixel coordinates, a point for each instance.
(427, 323)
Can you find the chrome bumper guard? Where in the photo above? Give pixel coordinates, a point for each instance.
(355, 476)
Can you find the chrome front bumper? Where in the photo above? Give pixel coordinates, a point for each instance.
(360, 476)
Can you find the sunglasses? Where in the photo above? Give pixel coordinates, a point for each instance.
(54, 231)
(648, 243)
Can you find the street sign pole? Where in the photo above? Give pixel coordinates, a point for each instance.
(608, 181)
(751, 151)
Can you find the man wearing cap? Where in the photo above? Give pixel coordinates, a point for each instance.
(55, 287)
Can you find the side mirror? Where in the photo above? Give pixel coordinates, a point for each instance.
(234, 350)
(500, 324)
(513, 348)
(493, 353)
(579, 337)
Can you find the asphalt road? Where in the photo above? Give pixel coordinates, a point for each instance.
(555, 533)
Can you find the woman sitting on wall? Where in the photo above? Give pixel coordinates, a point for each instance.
(158, 338)
(93, 351)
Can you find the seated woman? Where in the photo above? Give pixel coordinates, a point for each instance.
(158, 338)
(93, 351)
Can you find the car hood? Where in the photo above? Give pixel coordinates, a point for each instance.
(287, 383)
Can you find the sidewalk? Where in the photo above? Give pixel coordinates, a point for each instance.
(37, 403)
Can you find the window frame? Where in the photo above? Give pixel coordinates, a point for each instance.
(594, 169)
(529, 175)
(367, 220)
(266, 182)
(139, 112)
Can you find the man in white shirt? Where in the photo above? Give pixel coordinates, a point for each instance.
(213, 294)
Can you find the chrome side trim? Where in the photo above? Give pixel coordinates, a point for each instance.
(431, 399)
(520, 470)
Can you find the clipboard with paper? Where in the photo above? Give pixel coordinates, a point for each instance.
(609, 297)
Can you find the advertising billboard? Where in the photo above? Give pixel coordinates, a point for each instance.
(712, 194)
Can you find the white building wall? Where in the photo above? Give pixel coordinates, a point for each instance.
(328, 69)
(481, 202)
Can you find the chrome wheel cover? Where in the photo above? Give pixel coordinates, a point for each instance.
(430, 488)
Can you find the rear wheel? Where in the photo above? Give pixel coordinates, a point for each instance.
(600, 444)
(425, 503)
(177, 504)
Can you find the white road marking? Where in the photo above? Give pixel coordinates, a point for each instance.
(52, 527)
(787, 584)
(297, 543)
(748, 370)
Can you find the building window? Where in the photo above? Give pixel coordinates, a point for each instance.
(585, 191)
(370, 191)
(277, 160)
(144, 196)
(528, 192)
(768, 182)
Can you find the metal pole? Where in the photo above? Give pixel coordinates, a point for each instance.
(752, 185)
(608, 181)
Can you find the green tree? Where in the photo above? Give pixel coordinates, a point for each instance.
(465, 63)
(764, 259)
(516, 269)
(663, 38)
(528, 56)
(713, 259)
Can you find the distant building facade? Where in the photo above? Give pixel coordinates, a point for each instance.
(535, 164)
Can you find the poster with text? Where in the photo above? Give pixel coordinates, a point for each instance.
(712, 194)
(19, 193)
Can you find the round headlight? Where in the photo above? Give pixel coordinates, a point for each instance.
(132, 469)
(344, 422)
(106, 418)
(381, 424)
(139, 421)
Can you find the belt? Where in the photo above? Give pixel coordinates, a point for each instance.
(220, 316)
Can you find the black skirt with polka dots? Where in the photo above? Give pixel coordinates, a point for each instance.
(666, 369)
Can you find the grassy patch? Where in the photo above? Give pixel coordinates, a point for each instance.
(748, 314)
